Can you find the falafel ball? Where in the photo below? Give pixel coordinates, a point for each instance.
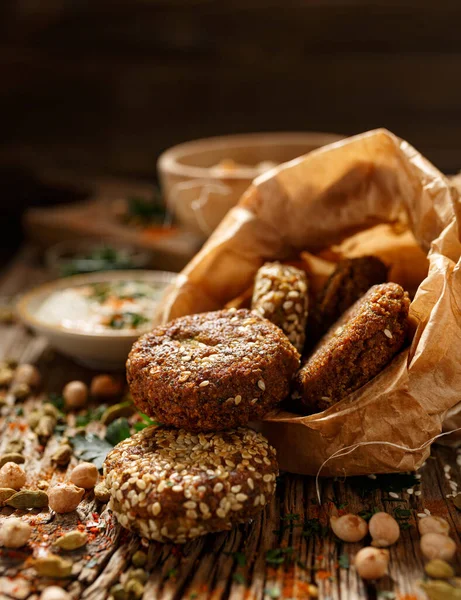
(211, 371)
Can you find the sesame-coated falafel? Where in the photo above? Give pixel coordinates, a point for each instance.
(355, 349)
(211, 371)
(171, 485)
(281, 295)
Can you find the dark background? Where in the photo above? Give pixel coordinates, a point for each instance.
(104, 86)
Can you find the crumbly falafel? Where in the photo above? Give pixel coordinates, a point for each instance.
(281, 295)
(171, 485)
(351, 279)
(211, 371)
(355, 349)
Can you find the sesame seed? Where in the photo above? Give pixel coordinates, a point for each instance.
(251, 485)
(267, 477)
(204, 383)
(261, 385)
(190, 504)
(191, 514)
(418, 493)
(236, 488)
(241, 497)
(254, 400)
(156, 508)
(256, 501)
(421, 515)
(141, 484)
(177, 488)
(388, 334)
(220, 513)
(238, 399)
(371, 476)
(393, 495)
(204, 508)
(427, 511)
(236, 506)
(218, 488)
(447, 468)
(410, 491)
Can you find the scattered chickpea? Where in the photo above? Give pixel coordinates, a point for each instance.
(384, 530)
(101, 493)
(75, 394)
(28, 374)
(437, 545)
(84, 475)
(14, 533)
(54, 592)
(349, 528)
(12, 476)
(433, 525)
(64, 498)
(372, 563)
(104, 386)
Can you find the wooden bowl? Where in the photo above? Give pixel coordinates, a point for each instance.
(199, 194)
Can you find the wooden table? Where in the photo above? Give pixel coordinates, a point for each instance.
(233, 565)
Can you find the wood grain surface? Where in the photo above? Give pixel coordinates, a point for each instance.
(278, 555)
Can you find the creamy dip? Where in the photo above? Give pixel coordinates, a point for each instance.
(103, 306)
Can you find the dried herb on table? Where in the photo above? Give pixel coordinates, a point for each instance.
(117, 431)
(91, 448)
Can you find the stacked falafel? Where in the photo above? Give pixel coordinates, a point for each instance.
(206, 376)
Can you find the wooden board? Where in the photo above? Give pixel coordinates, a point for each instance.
(94, 218)
(228, 566)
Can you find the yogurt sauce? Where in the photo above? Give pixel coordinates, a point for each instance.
(103, 306)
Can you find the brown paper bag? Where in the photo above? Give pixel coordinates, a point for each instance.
(313, 203)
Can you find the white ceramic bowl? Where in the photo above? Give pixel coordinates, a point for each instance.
(199, 196)
(98, 350)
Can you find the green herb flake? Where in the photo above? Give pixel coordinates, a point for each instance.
(343, 561)
(56, 400)
(239, 578)
(118, 431)
(91, 448)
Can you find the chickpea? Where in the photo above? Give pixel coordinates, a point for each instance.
(372, 563)
(15, 533)
(75, 394)
(349, 528)
(437, 545)
(12, 476)
(433, 525)
(104, 386)
(101, 493)
(84, 475)
(64, 498)
(54, 592)
(28, 374)
(384, 530)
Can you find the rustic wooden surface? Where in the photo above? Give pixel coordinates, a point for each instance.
(231, 565)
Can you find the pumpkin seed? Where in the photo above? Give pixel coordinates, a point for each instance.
(6, 377)
(440, 590)
(50, 410)
(134, 589)
(72, 540)
(123, 409)
(34, 419)
(28, 499)
(16, 446)
(118, 592)
(62, 455)
(6, 493)
(101, 493)
(45, 427)
(139, 558)
(439, 569)
(12, 457)
(140, 575)
(21, 391)
(53, 566)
